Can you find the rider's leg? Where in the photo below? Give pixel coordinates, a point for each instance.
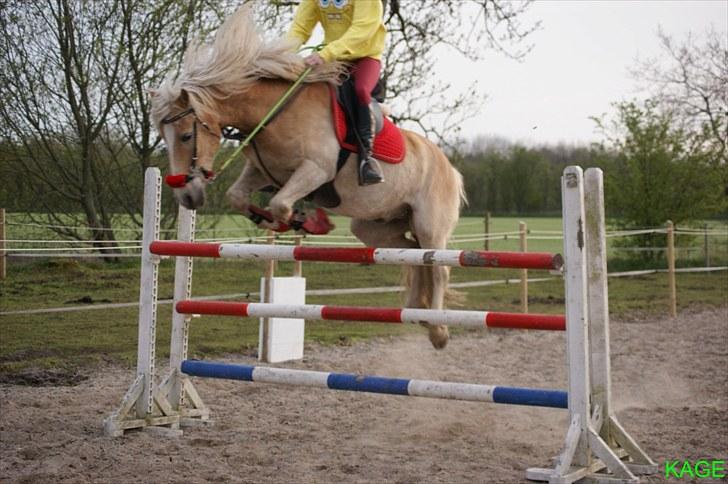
(366, 73)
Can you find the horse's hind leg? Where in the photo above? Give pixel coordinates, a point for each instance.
(419, 278)
(393, 234)
(433, 280)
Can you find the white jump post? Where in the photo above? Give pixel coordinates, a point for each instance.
(144, 406)
(281, 339)
(596, 447)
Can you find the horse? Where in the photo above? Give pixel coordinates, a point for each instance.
(233, 81)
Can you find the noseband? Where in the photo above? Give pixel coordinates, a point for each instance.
(180, 180)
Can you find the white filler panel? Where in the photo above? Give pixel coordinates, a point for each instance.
(281, 339)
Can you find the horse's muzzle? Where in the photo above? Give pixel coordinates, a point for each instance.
(192, 195)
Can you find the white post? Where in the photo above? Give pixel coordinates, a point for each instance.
(572, 196)
(148, 290)
(182, 291)
(595, 440)
(595, 235)
(283, 339)
(265, 294)
(613, 436)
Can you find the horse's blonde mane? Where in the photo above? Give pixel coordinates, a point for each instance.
(233, 61)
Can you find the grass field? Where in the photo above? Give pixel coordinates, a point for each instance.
(72, 340)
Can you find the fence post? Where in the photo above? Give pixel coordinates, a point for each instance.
(2, 244)
(671, 268)
(705, 245)
(524, 272)
(298, 265)
(486, 223)
(265, 323)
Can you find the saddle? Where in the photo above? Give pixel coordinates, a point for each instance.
(388, 144)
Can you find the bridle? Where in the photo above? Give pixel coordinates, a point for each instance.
(180, 180)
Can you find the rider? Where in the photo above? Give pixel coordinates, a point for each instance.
(353, 32)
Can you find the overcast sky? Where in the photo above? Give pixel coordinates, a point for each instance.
(578, 66)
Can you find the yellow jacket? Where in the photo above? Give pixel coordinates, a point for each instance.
(352, 28)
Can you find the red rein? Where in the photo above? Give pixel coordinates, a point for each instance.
(317, 224)
(179, 181)
(176, 181)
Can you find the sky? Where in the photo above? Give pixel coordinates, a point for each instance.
(578, 67)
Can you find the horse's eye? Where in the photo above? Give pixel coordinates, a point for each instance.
(186, 137)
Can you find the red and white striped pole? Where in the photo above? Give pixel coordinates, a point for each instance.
(472, 319)
(363, 255)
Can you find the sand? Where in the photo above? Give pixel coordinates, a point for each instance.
(670, 382)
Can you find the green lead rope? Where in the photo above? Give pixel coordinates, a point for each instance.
(265, 119)
(286, 95)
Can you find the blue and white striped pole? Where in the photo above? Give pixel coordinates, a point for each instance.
(377, 384)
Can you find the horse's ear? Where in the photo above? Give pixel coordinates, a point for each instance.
(184, 97)
(153, 92)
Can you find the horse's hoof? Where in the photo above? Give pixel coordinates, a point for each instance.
(282, 213)
(439, 336)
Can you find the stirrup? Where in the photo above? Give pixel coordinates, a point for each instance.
(369, 172)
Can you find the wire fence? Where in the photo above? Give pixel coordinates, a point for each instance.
(698, 245)
(699, 242)
(26, 246)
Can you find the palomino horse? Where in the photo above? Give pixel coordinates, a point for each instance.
(234, 81)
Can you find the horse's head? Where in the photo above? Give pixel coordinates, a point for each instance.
(192, 134)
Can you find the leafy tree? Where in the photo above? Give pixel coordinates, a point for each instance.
(662, 170)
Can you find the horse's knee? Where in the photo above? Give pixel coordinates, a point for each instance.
(237, 200)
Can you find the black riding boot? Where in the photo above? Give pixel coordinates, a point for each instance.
(370, 172)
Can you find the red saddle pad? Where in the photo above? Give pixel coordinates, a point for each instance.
(389, 144)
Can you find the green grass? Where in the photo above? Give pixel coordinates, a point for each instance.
(82, 339)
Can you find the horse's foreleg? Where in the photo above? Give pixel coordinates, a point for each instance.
(307, 177)
(249, 181)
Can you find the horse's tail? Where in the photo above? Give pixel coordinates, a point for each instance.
(462, 195)
(453, 297)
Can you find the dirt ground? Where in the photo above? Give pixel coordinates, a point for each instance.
(670, 380)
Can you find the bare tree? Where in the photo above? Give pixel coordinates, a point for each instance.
(56, 102)
(155, 34)
(418, 32)
(74, 111)
(690, 78)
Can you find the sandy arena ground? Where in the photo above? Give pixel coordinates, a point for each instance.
(670, 380)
